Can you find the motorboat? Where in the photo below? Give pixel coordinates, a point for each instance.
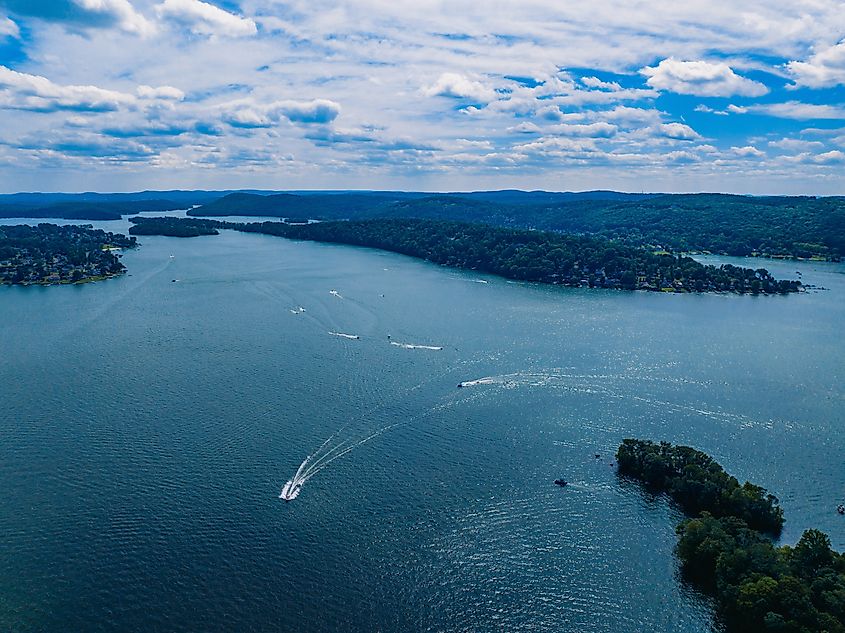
(290, 490)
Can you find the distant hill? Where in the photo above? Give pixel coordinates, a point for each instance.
(81, 210)
(719, 223)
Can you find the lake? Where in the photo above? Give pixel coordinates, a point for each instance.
(149, 422)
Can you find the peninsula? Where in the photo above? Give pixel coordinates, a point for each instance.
(49, 254)
(521, 254)
(725, 547)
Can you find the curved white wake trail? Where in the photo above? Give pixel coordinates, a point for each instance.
(372, 436)
(435, 348)
(354, 337)
(321, 458)
(333, 451)
(308, 459)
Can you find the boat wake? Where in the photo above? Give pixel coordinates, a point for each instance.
(435, 348)
(617, 386)
(290, 490)
(322, 457)
(354, 337)
(333, 448)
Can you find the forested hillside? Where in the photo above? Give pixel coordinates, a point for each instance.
(718, 223)
(570, 260)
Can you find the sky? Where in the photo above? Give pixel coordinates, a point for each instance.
(745, 96)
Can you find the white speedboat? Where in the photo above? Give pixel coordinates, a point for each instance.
(290, 490)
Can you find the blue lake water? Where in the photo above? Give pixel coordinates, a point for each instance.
(148, 426)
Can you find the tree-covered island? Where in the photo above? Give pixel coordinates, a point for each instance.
(170, 227)
(49, 254)
(725, 549)
(522, 254)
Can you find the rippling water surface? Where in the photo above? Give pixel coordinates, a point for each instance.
(148, 426)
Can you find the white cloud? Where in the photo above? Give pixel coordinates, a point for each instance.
(824, 69)
(796, 145)
(749, 151)
(677, 131)
(314, 111)
(557, 145)
(600, 129)
(627, 114)
(595, 82)
(459, 86)
(833, 157)
(248, 114)
(8, 28)
(20, 91)
(203, 18)
(703, 108)
(85, 13)
(797, 110)
(165, 93)
(701, 78)
(682, 156)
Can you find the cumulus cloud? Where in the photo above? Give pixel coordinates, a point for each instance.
(824, 69)
(20, 91)
(84, 13)
(203, 18)
(747, 151)
(248, 114)
(314, 111)
(627, 114)
(833, 157)
(677, 131)
(557, 146)
(595, 82)
(701, 78)
(600, 129)
(460, 87)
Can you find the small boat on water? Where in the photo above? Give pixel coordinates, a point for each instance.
(560, 482)
(353, 337)
(840, 508)
(290, 490)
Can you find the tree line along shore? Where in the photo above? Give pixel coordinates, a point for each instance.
(779, 227)
(520, 254)
(726, 550)
(48, 254)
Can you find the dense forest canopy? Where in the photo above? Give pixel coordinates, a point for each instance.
(698, 483)
(719, 223)
(172, 227)
(724, 550)
(570, 260)
(772, 226)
